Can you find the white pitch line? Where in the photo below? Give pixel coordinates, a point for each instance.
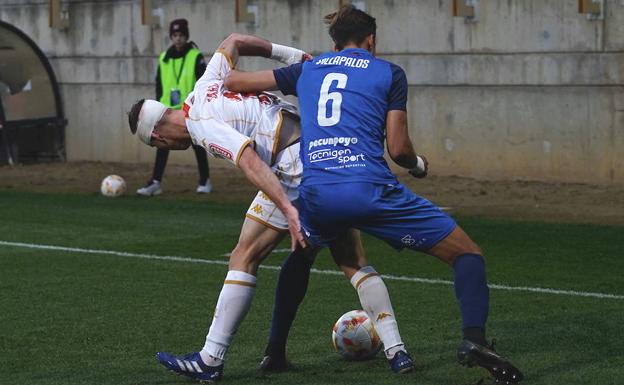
(316, 271)
(275, 251)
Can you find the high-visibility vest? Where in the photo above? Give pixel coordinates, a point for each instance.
(177, 74)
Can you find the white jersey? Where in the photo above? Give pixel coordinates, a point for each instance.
(225, 122)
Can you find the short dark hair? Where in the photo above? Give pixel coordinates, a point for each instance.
(350, 25)
(133, 115)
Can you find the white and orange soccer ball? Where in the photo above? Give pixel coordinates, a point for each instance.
(113, 186)
(354, 336)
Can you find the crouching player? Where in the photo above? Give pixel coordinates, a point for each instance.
(260, 134)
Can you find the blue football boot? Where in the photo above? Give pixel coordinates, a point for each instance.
(191, 366)
(401, 363)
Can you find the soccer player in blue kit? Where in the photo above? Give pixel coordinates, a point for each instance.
(349, 102)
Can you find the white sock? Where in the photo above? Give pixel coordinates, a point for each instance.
(376, 303)
(232, 307)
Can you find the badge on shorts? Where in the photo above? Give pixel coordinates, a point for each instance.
(174, 97)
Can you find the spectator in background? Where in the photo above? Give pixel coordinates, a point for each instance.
(179, 67)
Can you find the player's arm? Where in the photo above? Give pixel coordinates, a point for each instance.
(237, 45)
(257, 81)
(261, 176)
(219, 139)
(400, 146)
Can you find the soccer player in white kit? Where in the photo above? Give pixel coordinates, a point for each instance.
(259, 133)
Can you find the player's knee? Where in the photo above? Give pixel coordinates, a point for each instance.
(308, 253)
(245, 255)
(473, 249)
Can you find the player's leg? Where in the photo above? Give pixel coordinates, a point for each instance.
(349, 255)
(407, 220)
(472, 294)
(326, 212)
(293, 278)
(292, 285)
(256, 241)
(471, 290)
(203, 185)
(291, 288)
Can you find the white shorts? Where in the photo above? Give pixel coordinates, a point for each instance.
(288, 169)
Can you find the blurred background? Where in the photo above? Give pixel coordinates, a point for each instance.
(530, 89)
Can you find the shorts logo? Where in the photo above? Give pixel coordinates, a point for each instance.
(220, 151)
(257, 209)
(411, 242)
(408, 240)
(335, 141)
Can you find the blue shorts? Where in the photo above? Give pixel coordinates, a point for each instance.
(390, 212)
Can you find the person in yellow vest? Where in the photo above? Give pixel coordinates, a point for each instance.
(179, 67)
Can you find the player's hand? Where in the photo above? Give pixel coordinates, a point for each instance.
(421, 168)
(306, 56)
(294, 227)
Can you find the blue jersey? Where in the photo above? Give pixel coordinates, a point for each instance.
(343, 100)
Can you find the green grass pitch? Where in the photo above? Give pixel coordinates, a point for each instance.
(88, 318)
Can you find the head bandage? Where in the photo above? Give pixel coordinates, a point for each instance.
(151, 112)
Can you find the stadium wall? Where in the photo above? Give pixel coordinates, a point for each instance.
(532, 90)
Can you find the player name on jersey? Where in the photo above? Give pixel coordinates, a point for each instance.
(344, 61)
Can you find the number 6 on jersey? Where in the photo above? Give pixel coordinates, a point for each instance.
(335, 97)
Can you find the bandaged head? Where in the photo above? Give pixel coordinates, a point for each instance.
(151, 113)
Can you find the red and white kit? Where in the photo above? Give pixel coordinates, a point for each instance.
(225, 122)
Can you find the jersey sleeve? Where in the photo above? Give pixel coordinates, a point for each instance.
(220, 140)
(286, 78)
(397, 96)
(218, 67)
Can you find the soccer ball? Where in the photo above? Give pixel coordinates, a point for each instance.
(354, 336)
(113, 186)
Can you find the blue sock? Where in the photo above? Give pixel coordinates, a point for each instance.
(473, 295)
(292, 285)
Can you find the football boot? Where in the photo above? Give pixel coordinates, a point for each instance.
(504, 372)
(273, 363)
(401, 363)
(191, 366)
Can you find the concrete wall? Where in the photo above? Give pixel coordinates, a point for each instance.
(533, 90)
